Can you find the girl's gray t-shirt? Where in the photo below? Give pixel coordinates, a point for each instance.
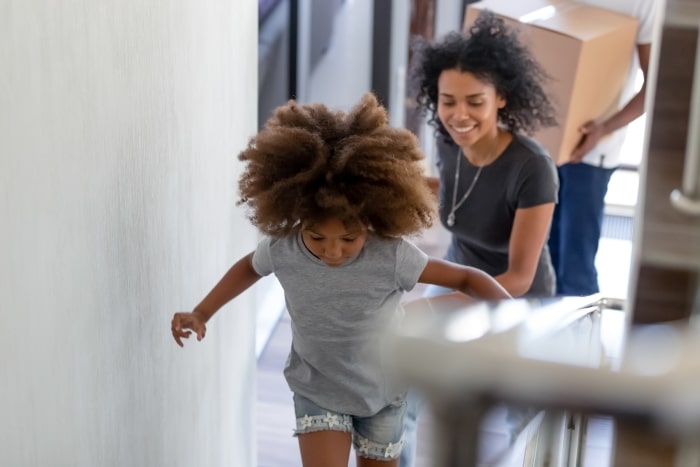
(339, 316)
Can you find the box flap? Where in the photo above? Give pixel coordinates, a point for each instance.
(566, 17)
(532, 9)
(586, 22)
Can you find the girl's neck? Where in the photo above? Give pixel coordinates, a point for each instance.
(487, 150)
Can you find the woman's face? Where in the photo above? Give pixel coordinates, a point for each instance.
(468, 107)
(332, 242)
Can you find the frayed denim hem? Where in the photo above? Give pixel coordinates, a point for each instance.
(364, 447)
(328, 421)
(371, 450)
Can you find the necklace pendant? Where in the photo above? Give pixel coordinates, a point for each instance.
(451, 219)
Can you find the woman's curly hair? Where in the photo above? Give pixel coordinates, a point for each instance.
(493, 53)
(310, 164)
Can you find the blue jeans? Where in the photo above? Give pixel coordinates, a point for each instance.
(576, 227)
(379, 436)
(414, 404)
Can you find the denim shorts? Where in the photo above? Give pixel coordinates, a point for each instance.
(379, 436)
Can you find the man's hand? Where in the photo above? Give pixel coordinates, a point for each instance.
(591, 133)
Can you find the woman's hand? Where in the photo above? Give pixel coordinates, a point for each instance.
(183, 321)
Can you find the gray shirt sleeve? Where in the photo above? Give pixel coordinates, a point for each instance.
(410, 263)
(537, 183)
(262, 259)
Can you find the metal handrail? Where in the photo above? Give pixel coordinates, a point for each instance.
(560, 442)
(687, 198)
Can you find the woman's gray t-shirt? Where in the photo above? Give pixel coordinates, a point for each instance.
(339, 315)
(523, 176)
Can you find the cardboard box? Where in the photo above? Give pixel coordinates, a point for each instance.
(586, 50)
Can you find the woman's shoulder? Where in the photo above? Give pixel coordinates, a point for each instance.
(530, 162)
(528, 146)
(530, 153)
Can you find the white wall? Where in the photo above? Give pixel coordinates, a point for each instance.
(120, 122)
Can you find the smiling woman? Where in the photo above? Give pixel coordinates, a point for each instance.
(484, 93)
(482, 110)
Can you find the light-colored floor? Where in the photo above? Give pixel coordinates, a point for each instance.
(339, 80)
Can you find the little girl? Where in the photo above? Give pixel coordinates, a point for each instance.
(335, 193)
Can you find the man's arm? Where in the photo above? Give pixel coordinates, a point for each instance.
(594, 130)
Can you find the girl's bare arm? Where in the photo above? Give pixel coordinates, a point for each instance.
(471, 281)
(239, 278)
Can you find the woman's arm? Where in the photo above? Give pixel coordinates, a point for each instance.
(471, 281)
(527, 238)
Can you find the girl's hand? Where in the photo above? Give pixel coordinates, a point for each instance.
(182, 321)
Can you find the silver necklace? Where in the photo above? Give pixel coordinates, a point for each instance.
(451, 216)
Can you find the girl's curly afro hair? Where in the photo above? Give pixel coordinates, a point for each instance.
(490, 50)
(310, 164)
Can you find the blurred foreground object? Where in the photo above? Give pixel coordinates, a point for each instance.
(570, 356)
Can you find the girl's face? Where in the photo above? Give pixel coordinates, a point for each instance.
(468, 107)
(332, 242)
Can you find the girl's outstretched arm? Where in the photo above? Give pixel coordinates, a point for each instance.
(235, 281)
(468, 280)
